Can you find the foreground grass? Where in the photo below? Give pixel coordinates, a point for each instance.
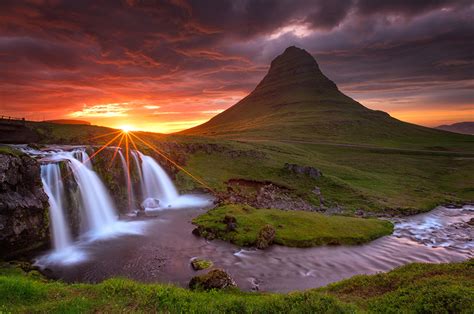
(415, 288)
(293, 228)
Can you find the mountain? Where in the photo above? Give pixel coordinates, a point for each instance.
(460, 127)
(296, 101)
(68, 121)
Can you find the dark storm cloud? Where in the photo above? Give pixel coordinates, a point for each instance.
(406, 7)
(72, 52)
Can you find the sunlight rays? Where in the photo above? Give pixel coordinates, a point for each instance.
(156, 150)
(125, 137)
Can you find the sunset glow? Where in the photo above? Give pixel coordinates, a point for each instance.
(126, 128)
(180, 65)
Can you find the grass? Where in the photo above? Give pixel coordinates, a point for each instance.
(414, 288)
(376, 177)
(354, 177)
(293, 228)
(7, 150)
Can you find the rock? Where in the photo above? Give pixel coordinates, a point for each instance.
(265, 237)
(231, 222)
(23, 206)
(215, 279)
(231, 226)
(471, 222)
(196, 231)
(199, 264)
(201, 232)
(229, 219)
(151, 203)
(263, 194)
(304, 170)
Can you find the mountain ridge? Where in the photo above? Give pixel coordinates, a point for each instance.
(466, 127)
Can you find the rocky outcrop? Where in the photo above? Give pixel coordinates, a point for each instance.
(265, 237)
(262, 194)
(215, 279)
(23, 206)
(303, 170)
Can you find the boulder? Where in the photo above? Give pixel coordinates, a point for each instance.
(199, 264)
(265, 237)
(231, 222)
(215, 279)
(151, 203)
(303, 170)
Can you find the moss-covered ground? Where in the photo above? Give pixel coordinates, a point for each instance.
(293, 228)
(414, 288)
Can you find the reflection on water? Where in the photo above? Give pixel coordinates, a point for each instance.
(163, 253)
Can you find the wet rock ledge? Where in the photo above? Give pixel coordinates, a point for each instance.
(24, 217)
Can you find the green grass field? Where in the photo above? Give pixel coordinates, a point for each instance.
(375, 178)
(293, 228)
(414, 288)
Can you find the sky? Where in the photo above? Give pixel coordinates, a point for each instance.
(165, 66)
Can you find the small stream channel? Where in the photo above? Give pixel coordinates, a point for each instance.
(163, 251)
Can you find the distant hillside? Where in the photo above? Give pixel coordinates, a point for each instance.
(461, 127)
(296, 101)
(68, 121)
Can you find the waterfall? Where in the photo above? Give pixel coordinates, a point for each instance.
(97, 204)
(83, 157)
(139, 169)
(54, 188)
(156, 183)
(130, 190)
(98, 213)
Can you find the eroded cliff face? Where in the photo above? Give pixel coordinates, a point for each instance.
(24, 205)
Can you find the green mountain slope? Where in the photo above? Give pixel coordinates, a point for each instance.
(296, 101)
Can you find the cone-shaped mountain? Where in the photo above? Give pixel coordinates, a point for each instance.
(296, 101)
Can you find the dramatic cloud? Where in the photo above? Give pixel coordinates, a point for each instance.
(169, 65)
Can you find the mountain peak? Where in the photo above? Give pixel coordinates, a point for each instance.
(295, 66)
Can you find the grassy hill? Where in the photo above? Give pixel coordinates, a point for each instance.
(296, 101)
(460, 127)
(368, 177)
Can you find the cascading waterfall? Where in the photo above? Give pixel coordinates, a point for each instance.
(130, 190)
(137, 166)
(54, 188)
(158, 191)
(98, 207)
(156, 183)
(82, 156)
(98, 213)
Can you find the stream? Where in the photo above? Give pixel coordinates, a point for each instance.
(163, 250)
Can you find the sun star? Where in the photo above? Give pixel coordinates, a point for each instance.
(126, 128)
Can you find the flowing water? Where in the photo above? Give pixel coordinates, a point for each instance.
(163, 253)
(128, 182)
(156, 183)
(99, 216)
(54, 188)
